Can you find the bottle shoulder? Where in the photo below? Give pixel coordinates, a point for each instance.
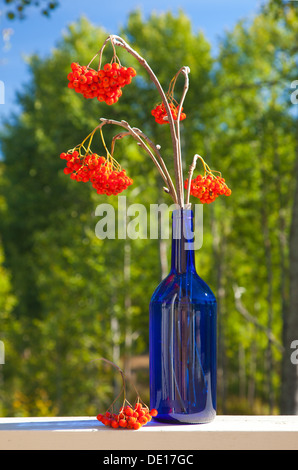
(188, 284)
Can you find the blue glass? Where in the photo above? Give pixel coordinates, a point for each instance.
(182, 335)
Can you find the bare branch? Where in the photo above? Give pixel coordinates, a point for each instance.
(185, 71)
(174, 129)
(117, 40)
(155, 148)
(139, 136)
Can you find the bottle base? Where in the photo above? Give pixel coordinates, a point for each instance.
(185, 419)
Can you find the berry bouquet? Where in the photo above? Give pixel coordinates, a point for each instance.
(106, 175)
(104, 172)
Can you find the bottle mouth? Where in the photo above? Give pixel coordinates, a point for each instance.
(182, 214)
(183, 225)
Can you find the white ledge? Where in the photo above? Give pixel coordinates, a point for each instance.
(86, 433)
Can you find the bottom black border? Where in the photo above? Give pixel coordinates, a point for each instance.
(128, 458)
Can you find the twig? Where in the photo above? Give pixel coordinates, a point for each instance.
(185, 71)
(135, 133)
(170, 186)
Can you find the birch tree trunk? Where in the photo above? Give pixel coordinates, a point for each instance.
(127, 307)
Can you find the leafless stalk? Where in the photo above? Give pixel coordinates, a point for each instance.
(185, 71)
(155, 148)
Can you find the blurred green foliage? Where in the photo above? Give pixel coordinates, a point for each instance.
(18, 9)
(68, 298)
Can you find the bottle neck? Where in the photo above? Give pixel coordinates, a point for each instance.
(183, 259)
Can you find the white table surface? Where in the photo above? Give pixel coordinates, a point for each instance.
(87, 433)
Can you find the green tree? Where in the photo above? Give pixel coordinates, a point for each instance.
(77, 298)
(256, 127)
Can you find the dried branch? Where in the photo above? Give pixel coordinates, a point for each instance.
(117, 40)
(170, 186)
(190, 173)
(185, 71)
(178, 193)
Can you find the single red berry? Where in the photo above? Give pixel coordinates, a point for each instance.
(128, 411)
(74, 66)
(132, 419)
(131, 71)
(143, 420)
(107, 67)
(123, 423)
(83, 79)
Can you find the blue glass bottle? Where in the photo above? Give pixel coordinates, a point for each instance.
(182, 336)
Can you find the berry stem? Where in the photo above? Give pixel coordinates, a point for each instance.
(119, 394)
(121, 373)
(100, 53)
(109, 156)
(123, 390)
(81, 145)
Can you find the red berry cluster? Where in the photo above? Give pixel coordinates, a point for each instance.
(110, 181)
(207, 188)
(104, 84)
(160, 113)
(98, 170)
(128, 417)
